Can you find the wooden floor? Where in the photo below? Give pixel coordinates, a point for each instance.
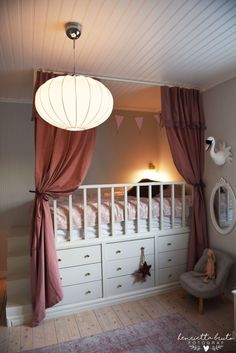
(217, 318)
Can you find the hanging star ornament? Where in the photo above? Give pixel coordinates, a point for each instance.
(142, 273)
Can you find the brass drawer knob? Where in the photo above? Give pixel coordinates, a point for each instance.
(118, 251)
(59, 260)
(86, 256)
(87, 274)
(119, 286)
(119, 269)
(169, 244)
(88, 292)
(169, 260)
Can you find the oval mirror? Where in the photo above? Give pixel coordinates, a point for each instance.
(222, 207)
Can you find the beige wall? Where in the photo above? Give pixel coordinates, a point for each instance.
(120, 156)
(220, 112)
(16, 169)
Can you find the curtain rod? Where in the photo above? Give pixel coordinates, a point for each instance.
(126, 80)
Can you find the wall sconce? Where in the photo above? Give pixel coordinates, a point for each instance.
(151, 166)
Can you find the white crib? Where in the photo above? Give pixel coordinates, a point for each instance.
(98, 211)
(99, 233)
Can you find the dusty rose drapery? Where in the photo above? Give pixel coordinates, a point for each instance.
(184, 122)
(61, 162)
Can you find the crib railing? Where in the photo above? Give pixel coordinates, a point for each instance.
(111, 191)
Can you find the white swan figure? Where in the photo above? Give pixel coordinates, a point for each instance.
(221, 156)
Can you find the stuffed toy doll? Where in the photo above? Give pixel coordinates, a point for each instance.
(210, 270)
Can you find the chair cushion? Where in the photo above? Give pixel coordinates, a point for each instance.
(196, 287)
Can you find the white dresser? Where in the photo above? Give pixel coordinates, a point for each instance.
(81, 273)
(172, 257)
(121, 261)
(98, 272)
(103, 272)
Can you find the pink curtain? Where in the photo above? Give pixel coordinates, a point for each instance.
(184, 122)
(61, 162)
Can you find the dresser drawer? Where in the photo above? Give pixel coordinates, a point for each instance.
(131, 248)
(79, 256)
(124, 284)
(171, 274)
(80, 274)
(173, 242)
(123, 267)
(172, 258)
(81, 292)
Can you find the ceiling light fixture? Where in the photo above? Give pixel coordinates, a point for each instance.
(74, 102)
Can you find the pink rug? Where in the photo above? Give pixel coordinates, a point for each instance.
(154, 336)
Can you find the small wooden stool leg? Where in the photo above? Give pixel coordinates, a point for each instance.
(200, 305)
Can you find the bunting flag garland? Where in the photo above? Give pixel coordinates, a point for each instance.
(139, 122)
(119, 119)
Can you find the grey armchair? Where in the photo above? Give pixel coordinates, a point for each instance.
(215, 287)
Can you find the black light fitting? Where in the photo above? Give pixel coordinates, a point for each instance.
(73, 30)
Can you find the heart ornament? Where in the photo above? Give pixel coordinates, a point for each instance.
(206, 348)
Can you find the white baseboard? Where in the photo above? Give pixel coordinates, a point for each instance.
(3, 274)
(20, 316)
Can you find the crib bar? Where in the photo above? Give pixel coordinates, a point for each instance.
(112, 210)
(128, 185)
(149, 208)
(183, 206)
(85, 212)
(138, 207)
(70, 218)
(114, 198)
(55, 219)
(99, 212)
(161, 208)
(172, 206)
(126, 209)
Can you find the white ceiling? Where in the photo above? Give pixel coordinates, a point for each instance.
(191, 43)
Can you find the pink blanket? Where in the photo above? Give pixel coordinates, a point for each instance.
(92, 210)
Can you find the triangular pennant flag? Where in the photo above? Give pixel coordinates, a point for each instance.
(119, 119)
(139, 122)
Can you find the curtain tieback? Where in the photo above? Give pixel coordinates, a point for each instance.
(42, 195)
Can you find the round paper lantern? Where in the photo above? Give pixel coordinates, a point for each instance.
(74, 102)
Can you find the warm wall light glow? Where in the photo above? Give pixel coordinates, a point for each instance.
(164, 176)
(150, 174)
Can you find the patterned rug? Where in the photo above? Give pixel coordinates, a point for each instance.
(154, 336)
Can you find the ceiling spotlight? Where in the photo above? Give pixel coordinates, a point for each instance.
(73, 30)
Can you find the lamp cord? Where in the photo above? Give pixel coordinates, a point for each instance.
(74, 56)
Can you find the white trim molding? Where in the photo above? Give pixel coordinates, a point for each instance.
(16, 100)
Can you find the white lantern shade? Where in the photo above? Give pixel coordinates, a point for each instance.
(74, 102)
